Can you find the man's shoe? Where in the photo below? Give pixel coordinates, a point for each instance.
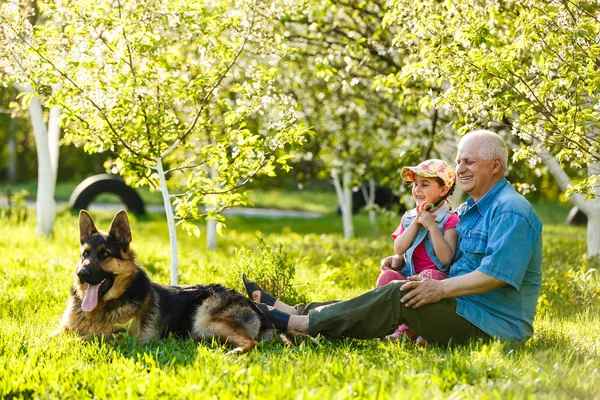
(251, 286)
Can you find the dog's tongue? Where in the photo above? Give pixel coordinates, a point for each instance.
(90, 301)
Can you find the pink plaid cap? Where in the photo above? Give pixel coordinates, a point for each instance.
(430, 169)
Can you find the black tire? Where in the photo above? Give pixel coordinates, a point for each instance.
(86, 192)
(576, 217)
(384, 198)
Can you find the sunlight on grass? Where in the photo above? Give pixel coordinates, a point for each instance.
(561, 361)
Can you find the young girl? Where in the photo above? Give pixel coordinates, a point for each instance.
(427, 234)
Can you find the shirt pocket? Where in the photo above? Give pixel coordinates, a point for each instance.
(474, 244)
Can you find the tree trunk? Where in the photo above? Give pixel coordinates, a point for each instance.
(593, 214)
(12, 151)
(591, 208)
(593, 234)
(54, 137)
(370, 200)
(170, 221)
(344, 194)
(46, 143)
(211, 225)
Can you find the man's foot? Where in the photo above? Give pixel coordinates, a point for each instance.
(277, 318)
(402, 330)
(256, 293)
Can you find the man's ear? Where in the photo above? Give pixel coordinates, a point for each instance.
(86, 226)
(496, 165)
(120, 229)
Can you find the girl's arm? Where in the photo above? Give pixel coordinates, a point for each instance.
(403, 242)
(444, 245)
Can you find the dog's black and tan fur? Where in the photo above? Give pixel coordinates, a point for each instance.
(112, 293)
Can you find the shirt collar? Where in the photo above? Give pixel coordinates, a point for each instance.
(486, 201)
(441, 212)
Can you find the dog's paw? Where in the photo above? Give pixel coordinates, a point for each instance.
(236, 351)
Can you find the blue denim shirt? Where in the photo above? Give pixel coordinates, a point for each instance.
(500, 236)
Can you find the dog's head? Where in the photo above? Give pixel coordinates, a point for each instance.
(106, 263)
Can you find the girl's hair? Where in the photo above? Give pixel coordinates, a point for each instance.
(448, 193)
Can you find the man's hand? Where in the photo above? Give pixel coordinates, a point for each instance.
(422, 291)
(394, 263)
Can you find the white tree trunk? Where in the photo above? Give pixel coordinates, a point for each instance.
(593, 214)
(344, 195)
(370, 200)
(46, 143)
(211, 225)
(562, 178)
(593, 235)
(591, 208)
(54, 137)
(12, 151)
(170, 221)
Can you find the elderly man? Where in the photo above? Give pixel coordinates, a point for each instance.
(494, 282)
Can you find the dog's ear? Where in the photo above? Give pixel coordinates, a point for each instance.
(86, 226)
(120, 229)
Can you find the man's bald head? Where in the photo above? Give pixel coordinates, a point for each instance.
(490, 145)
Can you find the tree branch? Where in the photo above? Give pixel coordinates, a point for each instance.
(214, 87)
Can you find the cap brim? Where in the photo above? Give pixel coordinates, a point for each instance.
(406, 175)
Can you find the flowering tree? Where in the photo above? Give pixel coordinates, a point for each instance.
(532, 67)
(46, 130)
(166, 87)
(365, 127)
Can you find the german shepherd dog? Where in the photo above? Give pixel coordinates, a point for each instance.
(111, 293)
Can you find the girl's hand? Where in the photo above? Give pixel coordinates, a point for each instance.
(423, 207)
(427, 219)
(420, 209)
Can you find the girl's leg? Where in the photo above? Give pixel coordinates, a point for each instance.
(387, 276)
(434, 274)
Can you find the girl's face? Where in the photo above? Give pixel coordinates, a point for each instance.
(427, 190)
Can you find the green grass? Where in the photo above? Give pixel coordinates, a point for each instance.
(561, 361)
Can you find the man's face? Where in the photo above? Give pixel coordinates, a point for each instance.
(475, 174)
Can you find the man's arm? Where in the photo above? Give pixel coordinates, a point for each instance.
(424, 291)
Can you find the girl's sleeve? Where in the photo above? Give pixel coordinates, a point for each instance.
(451, 222)
(400, 228)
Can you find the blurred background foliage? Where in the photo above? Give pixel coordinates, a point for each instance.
(19, 170)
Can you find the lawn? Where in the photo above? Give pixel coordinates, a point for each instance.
(562, 360)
